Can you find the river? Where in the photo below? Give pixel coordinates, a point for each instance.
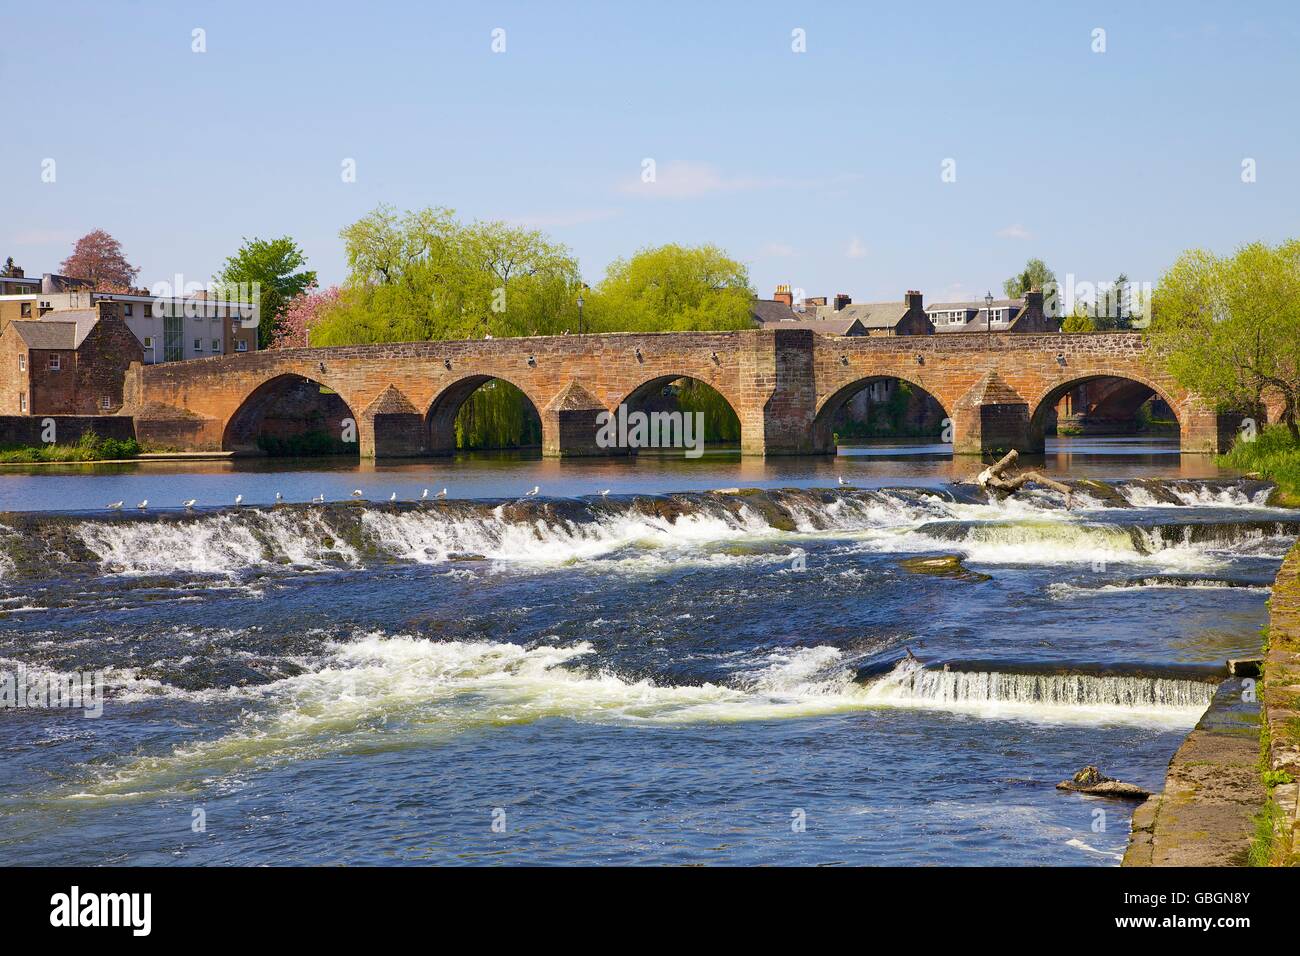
(662, 674)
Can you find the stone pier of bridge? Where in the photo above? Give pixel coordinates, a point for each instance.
(785, 386)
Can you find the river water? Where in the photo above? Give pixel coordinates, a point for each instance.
(664, 674)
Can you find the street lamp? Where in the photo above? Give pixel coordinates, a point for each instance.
(988, 315)
(581, 328)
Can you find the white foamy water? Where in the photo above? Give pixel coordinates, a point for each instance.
(431, 537)
(379, 693)
(1060, 590)
(221, 544)
(1049, 697)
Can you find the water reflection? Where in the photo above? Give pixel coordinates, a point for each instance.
(79, 487)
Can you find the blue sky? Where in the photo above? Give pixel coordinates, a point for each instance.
(821, 169)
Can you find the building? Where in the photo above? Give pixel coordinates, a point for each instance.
(1008, 315)
(844, 316)
(69, 362)
(169, 329)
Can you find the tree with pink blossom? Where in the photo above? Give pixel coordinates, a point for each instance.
(304, 311)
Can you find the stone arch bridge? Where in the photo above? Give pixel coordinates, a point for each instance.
(784, 385)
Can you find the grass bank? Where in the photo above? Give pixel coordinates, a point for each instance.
(1274, 455)
(90, 447)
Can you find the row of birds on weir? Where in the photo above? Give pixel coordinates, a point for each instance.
(358, 493)
(320, 499)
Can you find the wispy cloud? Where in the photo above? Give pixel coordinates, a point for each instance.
(43, 237)
(857, 249)
(1014, 231)
(687, 179)
(561, 219)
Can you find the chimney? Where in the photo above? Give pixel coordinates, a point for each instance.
(913, 300)
(841, 300)
(783, 294)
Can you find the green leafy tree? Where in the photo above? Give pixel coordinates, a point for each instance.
(1229, 327)
(1035, 275)
(422, 275)
(276, 266)
(672, 288)
(1080, 320)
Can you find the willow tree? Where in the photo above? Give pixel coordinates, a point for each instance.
(672, 288)
(1228, 327)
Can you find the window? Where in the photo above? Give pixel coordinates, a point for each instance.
(241, 346)
(22, 363)
(148, 341)
(105, 403)
(198, 345)
(126, 309)
(56, 362)
(173, 339)
(216, 345)
(22, 401)
(25, 310)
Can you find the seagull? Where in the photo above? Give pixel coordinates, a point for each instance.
(358, 493)
(424, 494)
(393, 496)
(319, 499)
(842, 481)
(537, 489)
(605, 493)
(144, 504)
(279, 498)
(441, 494)
(191, 503)
(114, 506)
(239, 499)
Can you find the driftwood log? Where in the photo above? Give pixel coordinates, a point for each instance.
(996, 479)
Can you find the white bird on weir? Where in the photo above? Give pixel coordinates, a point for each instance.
(605, 493)
(441, 494)
(424, 494)
(114, 506)
(842, 481)
(144, 504)
(191, 503)
(239, 500)
(537, 489)
(279, 498)
(319, 499)
(358, 493)
(393, 496)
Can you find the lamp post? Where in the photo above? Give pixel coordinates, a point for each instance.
(581, 327)
(988, 315)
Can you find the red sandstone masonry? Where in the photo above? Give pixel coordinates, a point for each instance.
(783, 384)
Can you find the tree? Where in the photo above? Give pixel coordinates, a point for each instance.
(675, 288)
(302, 314)
(10, 270)
(1229, 327)
(1113, 311)
(270, 269)
(423, 275)
(1080, 320)
(98, 256)
(1035, 275)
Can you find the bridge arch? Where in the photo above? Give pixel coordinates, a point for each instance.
(1127, 390)
(824, 420)
(440, 417)
(665, 392)
(292, 414)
